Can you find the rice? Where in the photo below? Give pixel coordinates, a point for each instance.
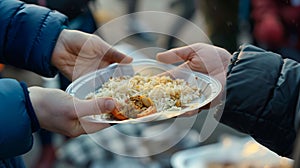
(166, 93)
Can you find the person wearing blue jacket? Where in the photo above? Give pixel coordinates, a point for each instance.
(261, 88)
(36, 39)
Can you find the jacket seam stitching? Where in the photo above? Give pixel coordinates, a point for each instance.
(270, 96)
(8, 29)
(38, 34)
(258, 118)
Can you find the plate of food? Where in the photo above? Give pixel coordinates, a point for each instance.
(230, 152)
(146, 90)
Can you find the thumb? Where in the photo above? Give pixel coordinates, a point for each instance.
(94, 106)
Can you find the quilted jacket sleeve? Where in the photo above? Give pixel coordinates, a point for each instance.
(15, 122)
(28, 36)
(262, 97)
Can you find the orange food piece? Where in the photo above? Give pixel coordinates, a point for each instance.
(138, 106)
(119, 115)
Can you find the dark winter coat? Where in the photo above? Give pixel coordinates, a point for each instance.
(263, 98)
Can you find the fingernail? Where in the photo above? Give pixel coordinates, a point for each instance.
(109, 105)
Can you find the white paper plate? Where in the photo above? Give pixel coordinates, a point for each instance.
(209, 87)
(231, 149)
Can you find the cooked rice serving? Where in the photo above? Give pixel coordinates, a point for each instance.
(166, 93)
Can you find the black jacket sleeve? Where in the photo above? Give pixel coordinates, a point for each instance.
(262, 97)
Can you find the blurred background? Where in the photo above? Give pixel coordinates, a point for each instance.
(223, 23)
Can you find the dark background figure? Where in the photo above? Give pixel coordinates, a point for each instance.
(222, 22)
(188, 10)
(244, 23)
(276, 26)
(135, 25)
(80, 18)
(222, 19)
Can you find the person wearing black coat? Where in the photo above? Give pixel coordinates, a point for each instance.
(261, 90)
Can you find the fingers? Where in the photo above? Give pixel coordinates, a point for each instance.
(112, 54)
(88, 127)
(175, 55)
(83, 126)
(96, 47)
(94, 106)
(117, 57)
(188, 52)
(178, 72)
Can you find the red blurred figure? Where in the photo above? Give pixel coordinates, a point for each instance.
(276, 23)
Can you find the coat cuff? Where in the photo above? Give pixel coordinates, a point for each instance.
(35, 125)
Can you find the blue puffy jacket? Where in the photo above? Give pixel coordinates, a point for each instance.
(263, 92)
(28, 34)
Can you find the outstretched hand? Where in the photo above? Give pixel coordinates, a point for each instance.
(200, 57)
(77, 53)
